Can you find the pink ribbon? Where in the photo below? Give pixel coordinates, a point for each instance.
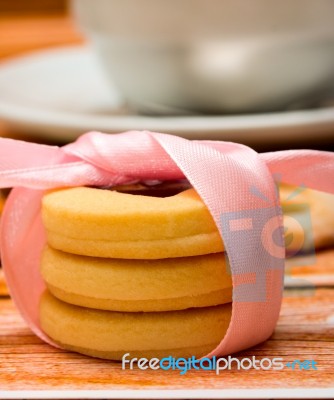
(234, 182)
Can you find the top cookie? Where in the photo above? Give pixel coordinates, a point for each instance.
(104, 223)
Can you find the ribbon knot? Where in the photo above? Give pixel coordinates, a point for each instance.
(134, 154)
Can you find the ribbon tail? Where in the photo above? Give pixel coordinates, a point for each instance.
(311, 168)
(21, 249)
(37, 166)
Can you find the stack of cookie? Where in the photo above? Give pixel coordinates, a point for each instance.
(135, 270)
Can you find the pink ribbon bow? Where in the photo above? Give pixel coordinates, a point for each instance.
(234, 182)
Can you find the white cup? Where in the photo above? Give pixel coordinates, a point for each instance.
(216, 56)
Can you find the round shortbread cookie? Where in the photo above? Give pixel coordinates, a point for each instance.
(308, 218)
(105, 223)
(137, 285)
(109, 334)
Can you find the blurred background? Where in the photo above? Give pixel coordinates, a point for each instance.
(33, 25)
(56, 84)
(29, 26)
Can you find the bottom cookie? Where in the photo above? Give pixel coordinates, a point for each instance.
(109, 334)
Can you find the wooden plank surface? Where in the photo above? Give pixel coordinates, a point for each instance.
(305, 331)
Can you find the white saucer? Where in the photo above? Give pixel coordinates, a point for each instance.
(62, 93)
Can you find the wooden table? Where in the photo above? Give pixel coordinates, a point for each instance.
(305, 330)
